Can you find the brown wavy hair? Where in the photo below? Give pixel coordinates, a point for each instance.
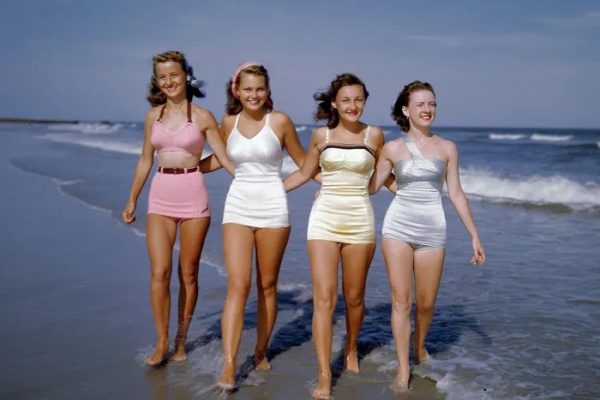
(325, 111)
(403, 99)
(234, 105)
(155, 96)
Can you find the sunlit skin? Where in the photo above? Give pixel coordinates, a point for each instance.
(239, 241)
(161, 231)
(324, 256)
(424, 266)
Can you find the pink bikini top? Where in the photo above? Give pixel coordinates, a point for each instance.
(188, 138)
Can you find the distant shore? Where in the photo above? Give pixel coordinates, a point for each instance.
(30, 121)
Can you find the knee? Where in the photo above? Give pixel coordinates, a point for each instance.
(401, 305)
(188, 275)
(238, 288)
(425, 306)
(161, 275)
(325, 302)
(267, 288)
(354, 299)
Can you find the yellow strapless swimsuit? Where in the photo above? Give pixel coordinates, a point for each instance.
(342, 212)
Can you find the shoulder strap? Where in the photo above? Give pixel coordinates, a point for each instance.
(327, 135)
(267, 119)
(412, 148)
(237, 118)
(189, 111)
(162, 111)
(366, 137)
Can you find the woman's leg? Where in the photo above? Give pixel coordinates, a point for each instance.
(161, 232)
(238, 242)
(270, 245)
(356, 260)
(428, 274)
(398, 258)
(324, 258)
(191, 241)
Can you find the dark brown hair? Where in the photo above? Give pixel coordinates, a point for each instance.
(234, 105)
(403, 99)
(324, 109)
(155, 96)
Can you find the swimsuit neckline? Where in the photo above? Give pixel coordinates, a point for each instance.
(349, 147)
(173, 132)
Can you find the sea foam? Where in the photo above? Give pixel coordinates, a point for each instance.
(506, 136)
(550, 138)
(88, 127)
(536, 190)
(97, 143)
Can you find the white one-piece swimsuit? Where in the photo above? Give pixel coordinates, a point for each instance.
(256, 197)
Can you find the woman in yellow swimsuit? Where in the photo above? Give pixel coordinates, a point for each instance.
(341, 223)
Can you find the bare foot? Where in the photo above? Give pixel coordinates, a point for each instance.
(422, 355)
(227, 379)
(180, 354)
(261, 363)
(323, 389)
(159, 357)
(351, 362)
(400, 383)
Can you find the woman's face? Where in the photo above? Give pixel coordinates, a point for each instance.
(421, 108)
(252, 91)
(350, 102)
(170, 78)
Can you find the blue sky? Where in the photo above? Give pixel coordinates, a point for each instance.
(493, 63)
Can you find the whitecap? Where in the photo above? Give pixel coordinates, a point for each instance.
(97, 143)
(550, 138)
(88, 127)
(537, 190)
(506, 136)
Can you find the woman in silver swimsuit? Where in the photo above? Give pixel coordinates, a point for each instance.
(414, 228)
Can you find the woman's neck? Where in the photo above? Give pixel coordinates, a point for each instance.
(255, 115)
(352, 127)
(178, 103)
(419, 133)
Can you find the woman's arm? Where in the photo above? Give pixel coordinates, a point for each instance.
(383, 169)
(216, 143)
(142, 170)
(290, 141)
(209, 164)
(309, 166)
(460, 202)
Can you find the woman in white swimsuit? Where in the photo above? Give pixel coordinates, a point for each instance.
(256, 214)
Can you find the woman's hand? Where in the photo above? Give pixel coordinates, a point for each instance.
(129, 213)
(478, 252)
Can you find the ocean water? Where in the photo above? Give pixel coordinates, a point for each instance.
(524, 326)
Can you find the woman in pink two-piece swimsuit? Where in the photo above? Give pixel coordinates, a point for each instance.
(176, 130)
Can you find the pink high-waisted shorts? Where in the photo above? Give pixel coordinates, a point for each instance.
(181, 196)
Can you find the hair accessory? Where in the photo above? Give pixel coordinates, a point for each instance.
(189, 76)
(237, 73)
